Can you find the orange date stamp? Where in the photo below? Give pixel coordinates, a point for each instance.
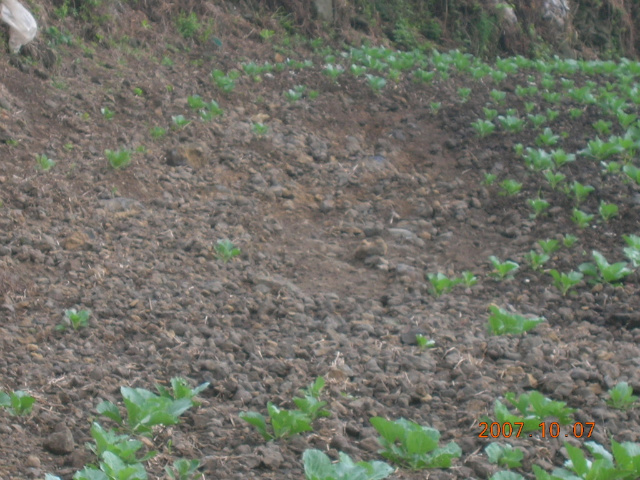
(547, 430)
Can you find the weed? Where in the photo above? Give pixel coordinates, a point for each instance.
(489, 178)
(502, 322)
(226, 250)
(435, 107)
(318, 466)
(412, 445)
(621, 396)
(118, 158)
(17, 402)
(138, 92)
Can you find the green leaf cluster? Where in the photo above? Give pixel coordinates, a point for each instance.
(318, 466)
(533, 409)
(502, 322)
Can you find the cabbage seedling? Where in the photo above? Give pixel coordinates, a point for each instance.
(180, 389)
(357, 70)
(74, 319)
(547, 138)
(179, 121)
(489, 178)
(468, 279)
(464, 93)
(607, 210)
(502, 270)
(376, 83)
(412, 445)
(511, 123)
(621, 396)
(106, 113)
(580, 192)
(318, 466)
(118, 158)
(123, 446)
(435, 107)
(603, 270)
(565, 281)
(285, 423)
(560, 157)
(424, 342)
(633, 250)
(632, 172)
(260, 129)
(157, 132)
(504, 455)
(225, 82)
(534, 409)
(549, 246)
(440, 283)
(333, 71)
(537, 120)
(569, 240)
(195, 102)
(310, 404)
(536, 260)
(184, 469)
(554, 178)
(502, 322)
(17, 402)
(510, 187)
(538, 205)
(483, 128)
(538, 160)
(581, 219)
(226, 250)
(498, 96)
(423, 76)
(603, 127)
(45, 163)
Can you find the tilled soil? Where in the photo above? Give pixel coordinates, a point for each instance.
(340, 210)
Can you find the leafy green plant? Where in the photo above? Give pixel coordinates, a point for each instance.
(259, 129)
(440, 283)
(581, 219)
(502, 322)
(184, 469)
(424, 342)
(294, 94)
(504, 454)
(118, 159)
(621, 396)
(226, 250)
(537, 120)
(310, 403)
(632, 172)
(533, 408)
(603, 127)
(633, 250)
(195, 102)
(510, 187)
(483, 128)
(107, 113)
(464, 93)
(284, 423)
(423, 76)
(468, 279)
(569, 240)
(489, 178)
(44, 163)
(554, 178)
(489, 113)
(375, 83)
(74, 319)
(565, 281)
(188, 25)
(17, 402)
(318, 466)
(211, 110)
(538, 205)
(511, 123)
(602, 270)
(549, 246)
(123, 446)
(157, 132)
(435, 107)
(607, 210)
(502, 270)
(547, 138)
(180, 121)
(412, 445)
(561, 158)
(333, 71)
(138, 92)
(536, 260)
(580, 191)
(225, 82)
(180, 389)
(145, 410)
(537, 159)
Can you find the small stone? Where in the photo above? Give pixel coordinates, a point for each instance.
(32, 461)
(60, 442)
(270, 456)
(75, 241)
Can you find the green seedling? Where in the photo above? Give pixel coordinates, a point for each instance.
(603, 127)
(435, 107)
(561, 158)
(483, 128)
(633, 250)
(145, 410)
(225, 82)
(44, 163)
(294, 94)
(179, 121)
(157, 132)
(623, 464)
(580, 192)
(489, 179)
(468, 279)
(529, 107)
(554, 178)
(611, 168)
(310, 403)
(502, 270)
(138, 92)
(518, 149)
(318, 466)
(180, 389)
(511, 123)
(502, 322)
(184, 469)
(534, 408)
(601, 150)
(423, 76)
(118, 159)
(259, 129)
(490, 113)
(552, 97)
(547, 138)
(266, 34)
(210, 110)
(621, 396)
(464, 93)
(607, 210)
(575, 113)
(17, 402)
(506, 475)
(226, 250)
(357, 70)
(549, 246)
(504, 454)
(498, 96)
(423, 342)
(626, 119)
(440, 283)
(412, 445)
(538, 205)
(376, 83)
(537, 120)
(569, 240)
(632, 172)
(112, 467)
(538, 160)
(123, 446)
(565, 281)
(333, 71)
(195, 102)
(552, 114)
(536, 260)
(74, 319)
(602, 270)
(510, 187)
(285, 423)
(107, 113)
(581, 219)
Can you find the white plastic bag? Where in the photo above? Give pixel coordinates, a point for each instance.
(22, 25)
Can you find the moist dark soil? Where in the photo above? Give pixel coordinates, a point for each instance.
(340, 210)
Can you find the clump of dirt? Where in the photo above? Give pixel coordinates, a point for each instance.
(340, 209)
